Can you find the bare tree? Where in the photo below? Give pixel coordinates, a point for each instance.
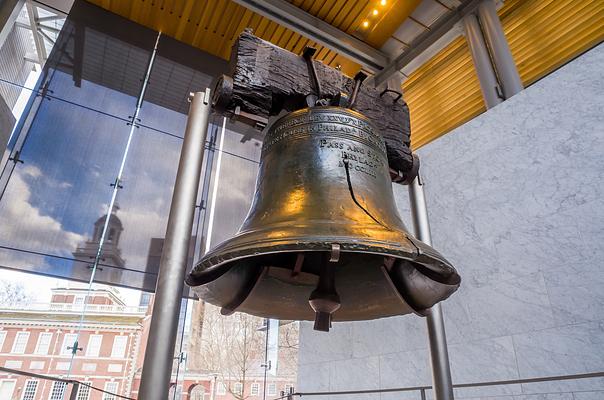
(233, 348)
(13, 294)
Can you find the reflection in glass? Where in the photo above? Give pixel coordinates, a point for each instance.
(63, 204)
(48, 206)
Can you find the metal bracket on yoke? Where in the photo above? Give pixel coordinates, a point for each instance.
(405, 178)
(249, 119)
(314, 79)
(398, 94)
(358, 81)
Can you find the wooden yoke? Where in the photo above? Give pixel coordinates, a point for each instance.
(266, 80)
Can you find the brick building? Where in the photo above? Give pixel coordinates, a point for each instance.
(38, 338)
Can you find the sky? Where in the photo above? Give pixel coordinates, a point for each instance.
(72, 154)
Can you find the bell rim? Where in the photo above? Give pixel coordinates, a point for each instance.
(224, 254)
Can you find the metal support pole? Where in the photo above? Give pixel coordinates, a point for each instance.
(500, 51)
(439, 355)
(157, 367)
(482, 62)
(73, 395)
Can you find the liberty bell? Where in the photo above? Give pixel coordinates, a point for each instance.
(323, 240)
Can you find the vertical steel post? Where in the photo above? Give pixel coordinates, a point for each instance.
(439, 355)
(500, 51)
(489, 86)
(157, 366)
(73, 395)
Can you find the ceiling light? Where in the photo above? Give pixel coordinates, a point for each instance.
(383, 2)
(375, 12)
(365, 24)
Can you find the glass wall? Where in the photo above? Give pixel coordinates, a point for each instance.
(85, 190)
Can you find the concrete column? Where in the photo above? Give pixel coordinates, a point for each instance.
(482, 61)
(498, 46)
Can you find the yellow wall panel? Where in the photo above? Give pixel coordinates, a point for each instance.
(545, 34)
(442, 94)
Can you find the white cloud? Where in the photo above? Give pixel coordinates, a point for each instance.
(25, 227)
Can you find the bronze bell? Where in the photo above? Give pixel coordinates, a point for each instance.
(323, 229)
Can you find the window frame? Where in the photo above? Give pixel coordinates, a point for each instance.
(31, 396)
(17, 335)
(14, 381)
(90, 367)
(81, 389)
(255, 389)
(271, 389)
(7, 364)
(64, 351)
(238, 388)
(40, 336)
(89, 352)
(58, 396)
(37, 361)
(221, 389)
(2, 339)
(113, 348)
(107, 396)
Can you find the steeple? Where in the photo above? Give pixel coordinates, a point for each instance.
(111, 254)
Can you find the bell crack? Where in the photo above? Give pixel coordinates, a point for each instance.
(354, 199)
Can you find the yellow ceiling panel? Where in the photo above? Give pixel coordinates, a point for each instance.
(442, 94)
(213, 25)
(543, 35)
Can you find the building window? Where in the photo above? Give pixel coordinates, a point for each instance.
(20, 342)
(272, 389)
(145, 299)
(83, 392)
(2, 337)
(119, 346)
(29, 392)
(114, 368)
(7, 388)
(94, 345)
(14, 364)
(43, 344)
(110, 387)
(221, 389)
(68, 341)
(36, 365)
(89, 367)
(198, 392)
(58, 391)
(287, 388)
(255, 389)
(62, 366)
(238, 388)
(79, 300)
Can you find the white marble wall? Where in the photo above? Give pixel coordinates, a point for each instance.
(516, 202)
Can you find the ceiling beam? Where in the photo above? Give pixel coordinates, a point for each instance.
(313, 28)
(9, 11)
(425, 40)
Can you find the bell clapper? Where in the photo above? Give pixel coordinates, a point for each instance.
(324, 300)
